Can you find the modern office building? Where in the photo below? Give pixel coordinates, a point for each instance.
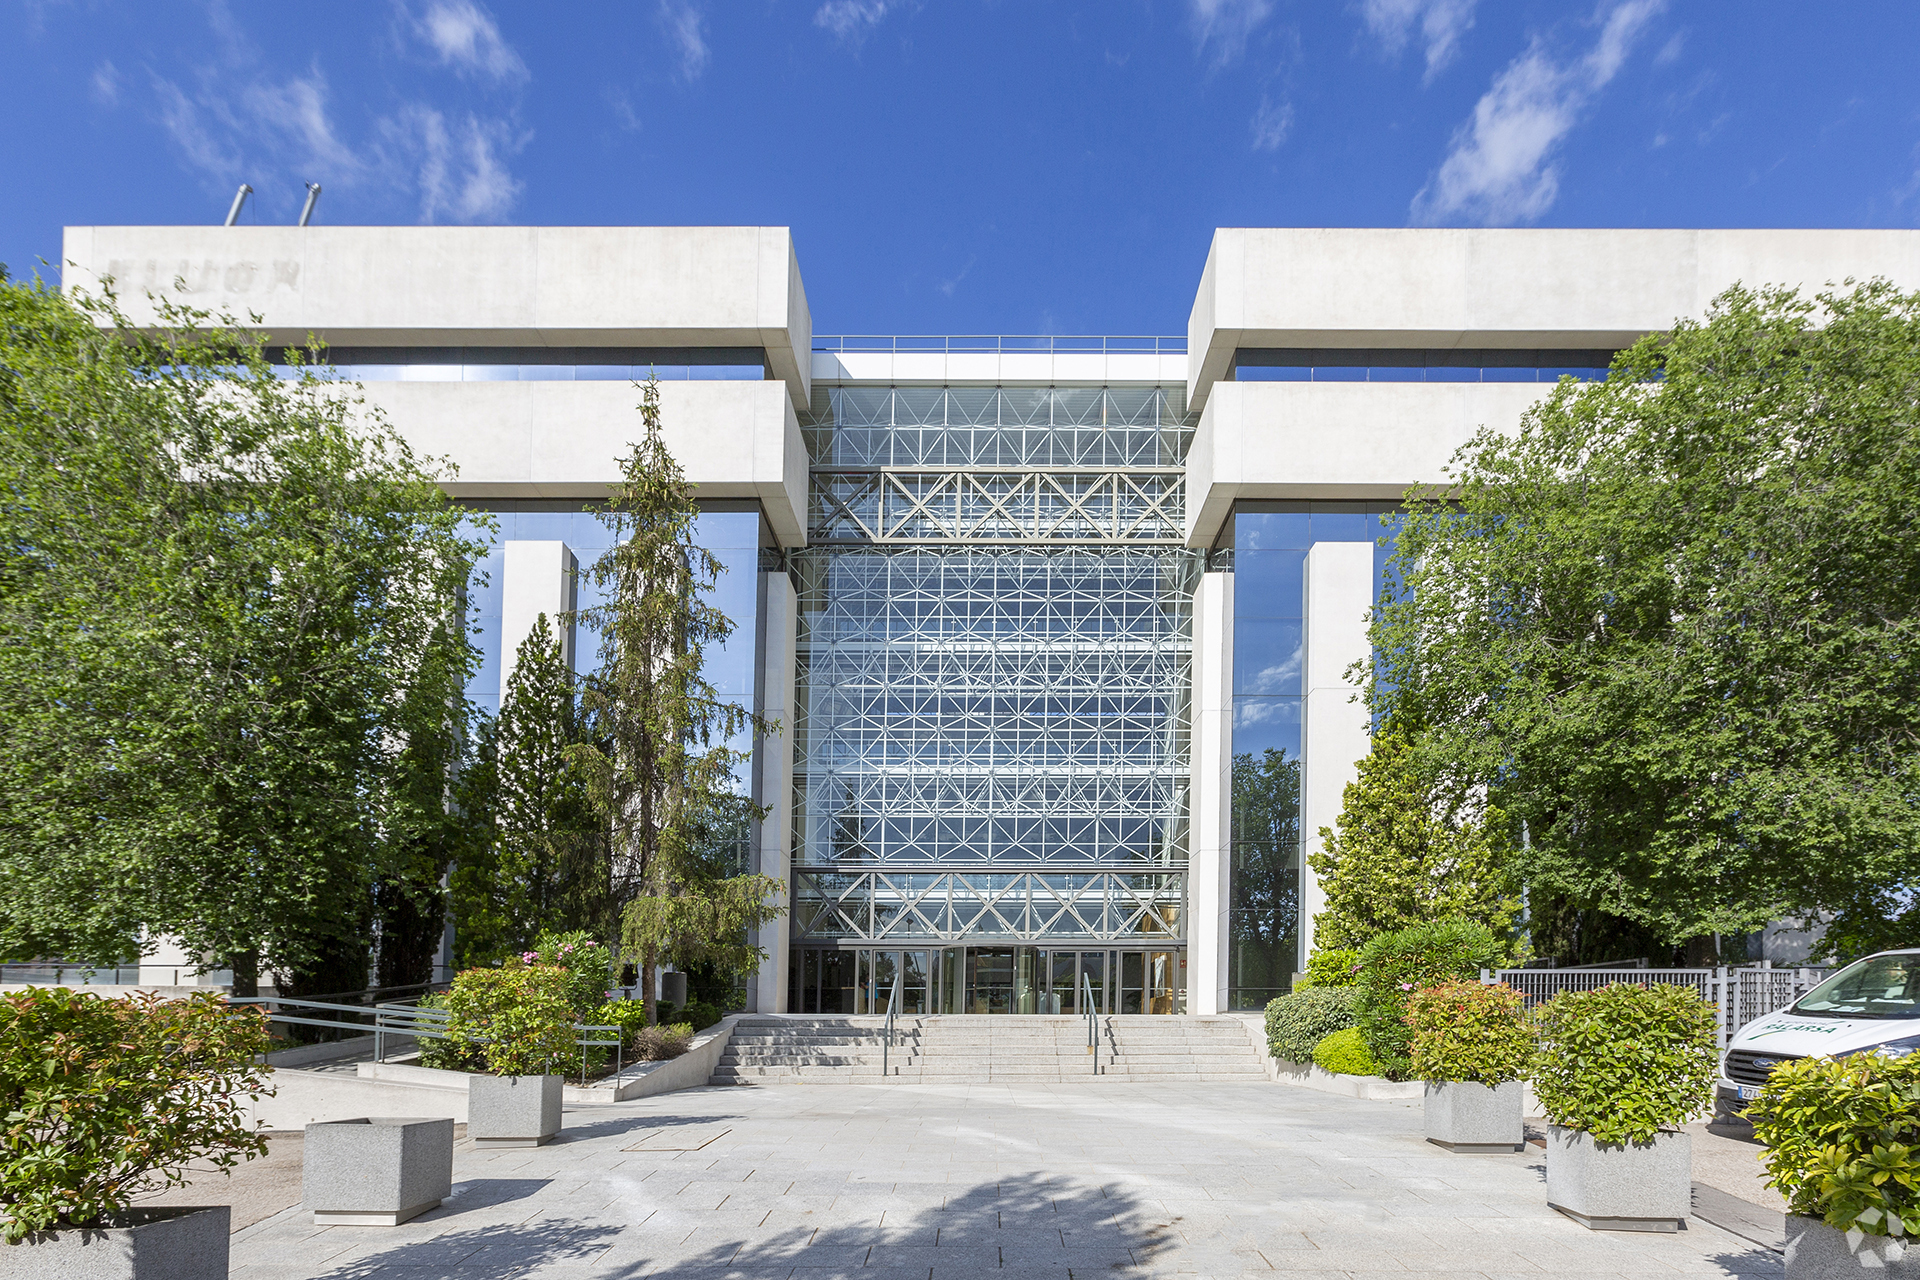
(1057, 631)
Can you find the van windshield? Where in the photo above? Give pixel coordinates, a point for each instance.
(1877, 987)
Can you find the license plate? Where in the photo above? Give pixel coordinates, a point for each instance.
(1748, 1092)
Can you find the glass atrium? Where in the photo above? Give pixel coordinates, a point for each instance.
(991, 732)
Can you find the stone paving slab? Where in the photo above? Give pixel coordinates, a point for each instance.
(933, 1181)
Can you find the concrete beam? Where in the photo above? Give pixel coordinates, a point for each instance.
(472, 286)
(564, 439)
(1504, 287)
(1351, 440)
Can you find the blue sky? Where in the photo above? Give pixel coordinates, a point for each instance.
(964, 166)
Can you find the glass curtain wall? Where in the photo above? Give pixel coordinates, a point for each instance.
(995, 637)
(1269, 542)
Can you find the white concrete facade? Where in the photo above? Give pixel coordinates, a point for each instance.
(1335, 729)
(1210, 854)
(779, 620)
(540, 582)
(558, 441)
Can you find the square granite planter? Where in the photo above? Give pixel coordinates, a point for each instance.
(140, 1244)
(376, 1172)
(1633, 1187)
(1815, 1251)
(513, 1111)
(1475, 1119)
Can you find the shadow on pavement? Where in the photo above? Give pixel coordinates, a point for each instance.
(1020, 1223)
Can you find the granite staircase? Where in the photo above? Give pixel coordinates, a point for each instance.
(975, 1049)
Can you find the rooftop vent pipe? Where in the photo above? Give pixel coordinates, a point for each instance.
(313, 198)
(239, 198)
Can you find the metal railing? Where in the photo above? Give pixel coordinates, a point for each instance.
(1049, 344)
(1739, 994)
(1093, 1031)
(886, 1044)
(60, 974)
(407, 1019)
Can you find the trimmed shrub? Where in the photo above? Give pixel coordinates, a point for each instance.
(1394, 965)
(1469, 1033)
(699, 1014)
(1625, 1062)
(518, 1020)
(105, 1101)
(1334, 967)
(1296, 1023)
(628, 1015)
(1843, 1140)
(1345, 1053)
(657, 1044)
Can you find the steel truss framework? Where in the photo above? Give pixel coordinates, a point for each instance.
(1024, 906)
(896, 506)
(978, 695)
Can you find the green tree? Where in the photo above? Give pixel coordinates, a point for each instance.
(227, 602)
(657, 763)
(1408, 851)
(542, 864)
(1671, 622)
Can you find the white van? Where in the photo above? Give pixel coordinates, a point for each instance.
(1872, 1004)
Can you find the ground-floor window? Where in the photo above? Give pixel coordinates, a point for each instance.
(987, 980)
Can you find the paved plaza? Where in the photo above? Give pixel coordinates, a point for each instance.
(880, 1181)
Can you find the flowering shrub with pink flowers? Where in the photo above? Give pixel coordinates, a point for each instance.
(589, 963)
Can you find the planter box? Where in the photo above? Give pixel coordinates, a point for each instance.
(513, 1111)
(140, 1244)
(1815, 1251)
(376, 1172)
(1645, 1187)
(1473, 1119)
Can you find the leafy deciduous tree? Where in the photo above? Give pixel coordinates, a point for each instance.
(1671, 623)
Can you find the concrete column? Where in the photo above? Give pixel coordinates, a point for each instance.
(539, 577)
(774, 764)
(1210, 857)
(1335, 729)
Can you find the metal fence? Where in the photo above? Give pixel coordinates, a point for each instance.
(1738, 994)
(60, 974)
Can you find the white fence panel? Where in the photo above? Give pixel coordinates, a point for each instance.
(1738, 995)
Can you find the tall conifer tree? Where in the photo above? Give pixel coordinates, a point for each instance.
(657, 763)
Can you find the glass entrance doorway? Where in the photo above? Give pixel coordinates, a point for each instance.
(988, 980)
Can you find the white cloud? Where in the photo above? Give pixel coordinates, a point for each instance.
(683, 22)
(105, 85)
(622, 108)
(467, 39)
(948, 286)
(458, 169)
(1441, 23)
(298, 109)
(186, 124)
(1271, 124)
(851, 20)
(1225, 25)
(1499, 166)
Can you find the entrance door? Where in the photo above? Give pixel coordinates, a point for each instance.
(1075, 974)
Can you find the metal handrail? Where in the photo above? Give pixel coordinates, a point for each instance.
(1052, 344)
(886, 1045)
(404, 1018)
(1093, 1034)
